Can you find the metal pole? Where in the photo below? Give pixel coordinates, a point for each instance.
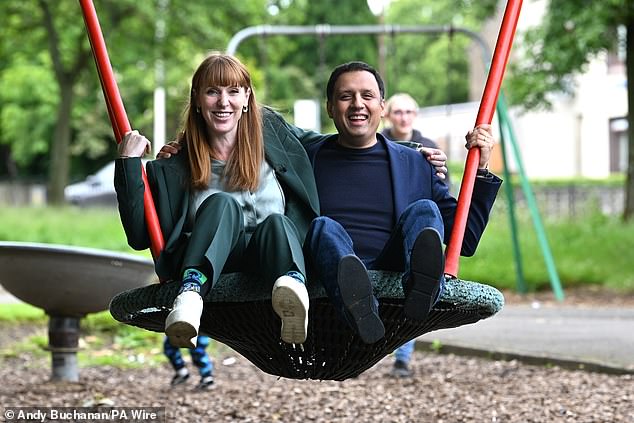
(326, 30)
(158, 140)
(485, 116)
(63, 343)
(532, 207)
(508, 187)
(118, 116)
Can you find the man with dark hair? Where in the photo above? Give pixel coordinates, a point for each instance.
(383, 206)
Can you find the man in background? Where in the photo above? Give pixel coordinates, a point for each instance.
(401, 111)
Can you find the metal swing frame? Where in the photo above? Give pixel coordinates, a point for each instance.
(330, 352)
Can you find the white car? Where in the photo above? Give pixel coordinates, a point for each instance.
(97, 189)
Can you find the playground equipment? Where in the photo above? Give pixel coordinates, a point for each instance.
(68, 283)
(238, 311)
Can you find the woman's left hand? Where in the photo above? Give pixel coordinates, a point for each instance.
(481, 137)
(437, 158)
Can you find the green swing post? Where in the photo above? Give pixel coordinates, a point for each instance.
(532, 204)
(508, 188)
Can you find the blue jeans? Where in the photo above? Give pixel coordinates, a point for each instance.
(199, 356)
(404, 352)
(327, 242)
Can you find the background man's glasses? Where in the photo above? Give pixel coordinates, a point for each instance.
(404, 112)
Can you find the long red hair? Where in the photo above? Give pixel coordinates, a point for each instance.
(242, 172)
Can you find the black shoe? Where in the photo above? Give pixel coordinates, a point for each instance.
(401, 369)
(206, 382)
(359, 301)
(179, 379)
(427, 265)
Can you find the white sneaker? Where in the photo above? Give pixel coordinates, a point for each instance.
(181, 325)
(290, 302)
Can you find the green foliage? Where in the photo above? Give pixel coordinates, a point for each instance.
(587, 250)
(26, 117)
(92, 227)
(20, 312)
(436, 346)
(103, 341)
(571, 34)
(41, 58)
(433, 69)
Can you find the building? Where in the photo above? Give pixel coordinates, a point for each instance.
(584, 135)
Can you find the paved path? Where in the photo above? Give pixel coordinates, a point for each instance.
(593, 338)
(6, 298)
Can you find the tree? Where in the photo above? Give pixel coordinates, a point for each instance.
(51, 102)
(434, 68)
(571, 34)
(296, 67)
(416, 63)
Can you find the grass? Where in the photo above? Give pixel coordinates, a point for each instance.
(103, 340)
(592, 249)
(21, 313)
(86, 227)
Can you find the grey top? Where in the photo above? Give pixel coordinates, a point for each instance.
(256, 206)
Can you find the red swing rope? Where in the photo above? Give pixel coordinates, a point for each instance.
(485, 116)
(118, 116)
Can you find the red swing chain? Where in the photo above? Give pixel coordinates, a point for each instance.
(485, 116)
(118, 116)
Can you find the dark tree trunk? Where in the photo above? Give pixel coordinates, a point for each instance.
(66, 77)
(60, 161)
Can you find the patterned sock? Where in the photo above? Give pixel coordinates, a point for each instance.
(297, 276)
(193, 280)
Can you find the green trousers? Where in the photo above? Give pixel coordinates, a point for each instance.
(219, 244)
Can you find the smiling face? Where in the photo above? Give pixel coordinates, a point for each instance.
(221, 87)
(356, 108)
(221, 109)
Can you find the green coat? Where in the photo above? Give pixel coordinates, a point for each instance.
(169, 183)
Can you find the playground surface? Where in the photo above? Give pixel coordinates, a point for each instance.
(588, 331)
(444, 388)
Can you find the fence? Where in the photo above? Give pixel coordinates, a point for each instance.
(553, 202)
(573, 200)
(22, 194)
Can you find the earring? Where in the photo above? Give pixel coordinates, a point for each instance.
(198, 110)
(245, 109)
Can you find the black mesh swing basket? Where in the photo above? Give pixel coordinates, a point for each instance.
(238, 313)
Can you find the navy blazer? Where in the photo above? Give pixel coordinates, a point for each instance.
(414, 178)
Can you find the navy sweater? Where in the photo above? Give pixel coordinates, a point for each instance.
(359, 194)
